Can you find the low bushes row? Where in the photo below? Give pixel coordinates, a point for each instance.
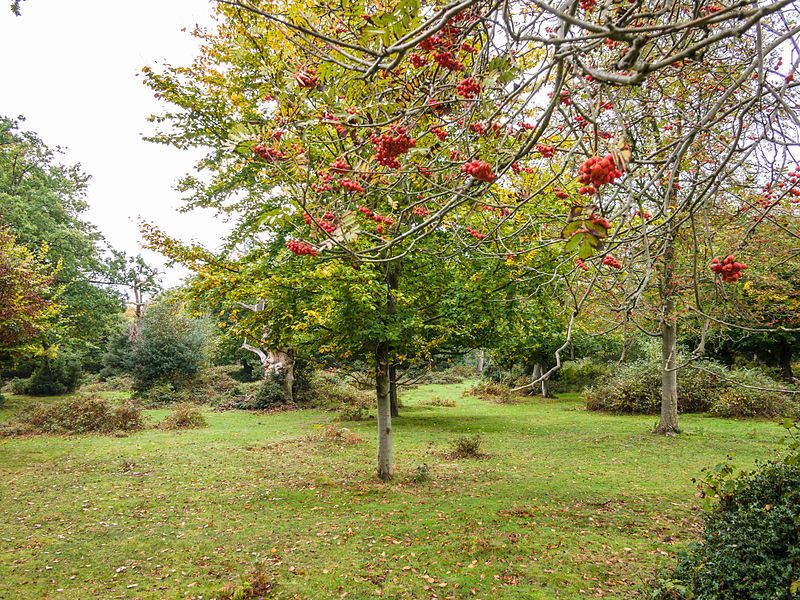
(92, 414)
(635, 388)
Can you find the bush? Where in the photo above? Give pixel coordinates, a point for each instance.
(271, 392)
(577, 375)
(18, 386)
(118, 383)
(184, 416)
(438, 401)
(159, 394)
(261, 582)
(750, 546)
(635, 388)
(84, 414)
(494, 392)
(335, 434)
(745, 402)
(170, 348)
(421, 474)
(54, 376)
(332, 393)
(466, 446)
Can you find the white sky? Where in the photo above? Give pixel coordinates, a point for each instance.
(72, 69)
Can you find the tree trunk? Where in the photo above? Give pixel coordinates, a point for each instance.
(537, 373)
(393, 390)
(481, 357)
(668, 423)
(785, 360)
(384, 412)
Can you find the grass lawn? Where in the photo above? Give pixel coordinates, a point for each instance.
(567, 504)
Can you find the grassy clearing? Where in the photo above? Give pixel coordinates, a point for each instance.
(566, 503)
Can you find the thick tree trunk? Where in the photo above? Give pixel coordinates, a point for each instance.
(393, 390)
(384, 412)
(668, 423)
(785, 356)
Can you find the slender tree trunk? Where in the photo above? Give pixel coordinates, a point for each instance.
(669, 332)
(393, 390)
(383, 379)
(384, 412)
(481, 357)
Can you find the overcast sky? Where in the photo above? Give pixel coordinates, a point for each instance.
(72, 69)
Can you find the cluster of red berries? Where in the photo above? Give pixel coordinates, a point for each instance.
(447, 60)
(560, 193)
(468, 88)
(477, 128)
(351, 185)
(475, 233)
(480, 170)
(307, 78)
(588, 5)
(391, 144)
(581, 264)
(546, 151)
(420, 211)
(340, 166)
(301, 248)
(324, 183)
(728, 268)
(643, 214)
(268, 154)
(417, 60)
(379, 219)
(612, 262)
(440, 133)
(597, 171)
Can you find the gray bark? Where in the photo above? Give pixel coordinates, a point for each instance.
(384, 412)
(668, 422)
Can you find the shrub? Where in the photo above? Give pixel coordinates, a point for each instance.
(750, 546)
(451, 374)
(84, 414)
(466, 446)
(421, 474)
(18, 386)
(745, 402)
(438, 401)
(184, 416)
(117, 383)
(271, 393)
(635, 388)
(577, 375)
(159, 394)
(336, 434)
(261, 582)
(170, 348)
(54, 376)
(494, 392)
(332, 393)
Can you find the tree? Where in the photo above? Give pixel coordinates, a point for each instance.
(41, 202)
(26, 291)
(170, 347)
(383, 129)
